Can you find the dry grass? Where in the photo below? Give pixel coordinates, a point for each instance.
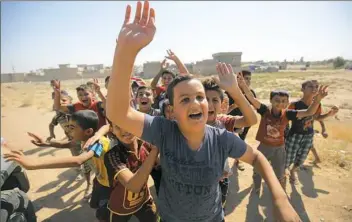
(335, 150)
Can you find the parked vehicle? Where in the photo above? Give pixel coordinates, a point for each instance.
(14, 184)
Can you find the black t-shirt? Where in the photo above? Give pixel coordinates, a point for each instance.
(303, 125)
(237, 112)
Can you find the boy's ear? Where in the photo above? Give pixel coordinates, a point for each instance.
(89, 132)
(171, 108)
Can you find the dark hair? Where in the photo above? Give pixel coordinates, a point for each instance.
(84, 87)
(279, 93)
(86, 119)
(246, 73)
(164, 104)
(143, 87)
(173, 84)
(168, 72)
(305, 83)
(210, 85)
(107, 79)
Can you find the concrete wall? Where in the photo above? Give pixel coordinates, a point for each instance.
(13, 77)
(61, 74)
(205, 67)
(233, 58)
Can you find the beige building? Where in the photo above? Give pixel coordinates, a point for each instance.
(151, 69)
(208, 66)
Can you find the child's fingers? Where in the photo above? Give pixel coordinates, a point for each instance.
(218, 68)
(127, 14)
(138, 14)
(229, 67)
(17, 152)
(151, 21)
(145, 13)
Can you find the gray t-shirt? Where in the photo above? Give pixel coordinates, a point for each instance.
(189, 187)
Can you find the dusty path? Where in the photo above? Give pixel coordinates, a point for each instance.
(323, 195)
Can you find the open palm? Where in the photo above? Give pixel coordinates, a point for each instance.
(141, 32)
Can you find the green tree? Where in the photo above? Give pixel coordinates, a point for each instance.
(339, 62)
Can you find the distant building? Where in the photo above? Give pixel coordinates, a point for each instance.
(151, 69)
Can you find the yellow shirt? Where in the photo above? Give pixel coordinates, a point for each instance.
(100, 149)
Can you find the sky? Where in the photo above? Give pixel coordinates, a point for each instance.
(39, 34)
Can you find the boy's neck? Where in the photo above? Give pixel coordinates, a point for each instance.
(194, 139)
(275, 112)
(307, 99)
(146, 110)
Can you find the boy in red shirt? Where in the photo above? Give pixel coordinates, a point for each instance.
(272, 126)
(86, 101)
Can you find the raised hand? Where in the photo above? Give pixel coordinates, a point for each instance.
(38, 141)
(19, 157)
(322, 93)
(135, 36)
(56, 85)
(164, 64)
(226, 79)
(170, 55)
(241, 82)
(96, 85)
(333, 110)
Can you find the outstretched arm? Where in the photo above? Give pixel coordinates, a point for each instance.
(181, 67)
(246, 90)
(38, 141)
(132, 38)
(312, 109)
(155, 80)
(32, 163)
(57, 98)
(228, 81)
(331, 112)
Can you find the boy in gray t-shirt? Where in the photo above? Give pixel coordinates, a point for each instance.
(189, 189)
(192, 154)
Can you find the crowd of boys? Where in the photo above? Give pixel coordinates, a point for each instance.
(185, 133)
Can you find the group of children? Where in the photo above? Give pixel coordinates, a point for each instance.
(184, 133)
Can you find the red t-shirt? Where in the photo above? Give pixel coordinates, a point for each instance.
(158, 90)
(271, 128)
(119, 158)
(95, 106)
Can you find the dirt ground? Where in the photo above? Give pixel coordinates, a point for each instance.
(323, 193)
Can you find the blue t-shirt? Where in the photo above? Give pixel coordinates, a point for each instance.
(189, 188)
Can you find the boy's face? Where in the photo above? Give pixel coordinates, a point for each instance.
(311, 88)
(85, 97)
(279, 102)
(77, 133)
(123, 136)
(144, 98)
(247, 79)
(166, 79)
(190, 107)
(214, 104)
